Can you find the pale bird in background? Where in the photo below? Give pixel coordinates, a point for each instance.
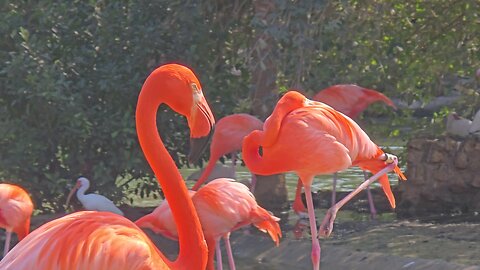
(92, 201)
(475, 127)
(457, 125)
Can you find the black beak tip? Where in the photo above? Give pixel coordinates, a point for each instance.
(197, 147)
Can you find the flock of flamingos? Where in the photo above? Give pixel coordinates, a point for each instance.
(303, 136)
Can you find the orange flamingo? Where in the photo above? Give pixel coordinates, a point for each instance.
(102, 240)
(227, 139)
(223, 205)
(312, 138)
(351, 100)
(16, 207)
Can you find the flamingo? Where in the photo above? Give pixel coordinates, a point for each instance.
(103, 240)
(351, 100)
(312, 138)
(16, 207)
(227, 139)
(93, 202)
(223, 205)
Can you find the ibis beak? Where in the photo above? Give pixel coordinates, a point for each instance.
(70, 195)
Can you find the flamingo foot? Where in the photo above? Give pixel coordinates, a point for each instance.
(316, 255)
(326, 227)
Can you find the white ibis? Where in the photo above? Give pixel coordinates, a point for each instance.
(92, 202)
(475, 127)
(457, 125)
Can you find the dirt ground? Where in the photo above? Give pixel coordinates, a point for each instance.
(435, 242)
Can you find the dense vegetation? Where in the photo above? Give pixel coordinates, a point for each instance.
(71, 72)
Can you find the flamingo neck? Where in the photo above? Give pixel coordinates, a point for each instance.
(208, 170)
(193, 249)
(251, 156)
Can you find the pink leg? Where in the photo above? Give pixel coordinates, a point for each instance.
(373, 211)
(298, 206)
(228, 247)
(327, 224)
(233, 155)
(8, 237)
(334, 189)
(253, 183)
(313, 228)
(218, 252)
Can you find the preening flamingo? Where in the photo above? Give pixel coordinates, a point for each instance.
(227, 139)
(16, 208)
(92, 201)
(102, 240)
(351, 100)
(223, 205)
(312, 138)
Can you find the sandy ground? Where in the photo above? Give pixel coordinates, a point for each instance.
(440, 242)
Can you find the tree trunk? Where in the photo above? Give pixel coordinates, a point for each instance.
(270, 191)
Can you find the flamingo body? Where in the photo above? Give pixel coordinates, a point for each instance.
(351, 99)
(223, 205)
(16, 208)
(227, 138)
(80, 240)
(103, 240)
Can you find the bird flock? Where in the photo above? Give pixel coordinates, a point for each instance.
(307, 137)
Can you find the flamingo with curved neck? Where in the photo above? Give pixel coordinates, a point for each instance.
(311, 138)
(102, 240)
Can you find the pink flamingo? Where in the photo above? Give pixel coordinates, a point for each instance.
(16, 208)
(312, 138)
(223, 206)
(227, 139)
(103, 240)
(351, 100)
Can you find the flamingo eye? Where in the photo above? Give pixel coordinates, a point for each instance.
(195, 87)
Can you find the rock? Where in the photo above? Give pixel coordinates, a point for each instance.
(461, 160)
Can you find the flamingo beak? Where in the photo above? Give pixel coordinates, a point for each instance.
(71, 194)
(197, 146)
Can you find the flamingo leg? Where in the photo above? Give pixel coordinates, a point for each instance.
(327, 224)
(218, 253)
(8, 237)
(373, 211)
(298, 206)
(316, 250)
(253, 183)
(228, 247)
(233, 156)
(334, 189)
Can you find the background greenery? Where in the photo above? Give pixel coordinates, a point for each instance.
(71, 73)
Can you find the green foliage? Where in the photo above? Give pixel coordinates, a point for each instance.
(72, 71)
